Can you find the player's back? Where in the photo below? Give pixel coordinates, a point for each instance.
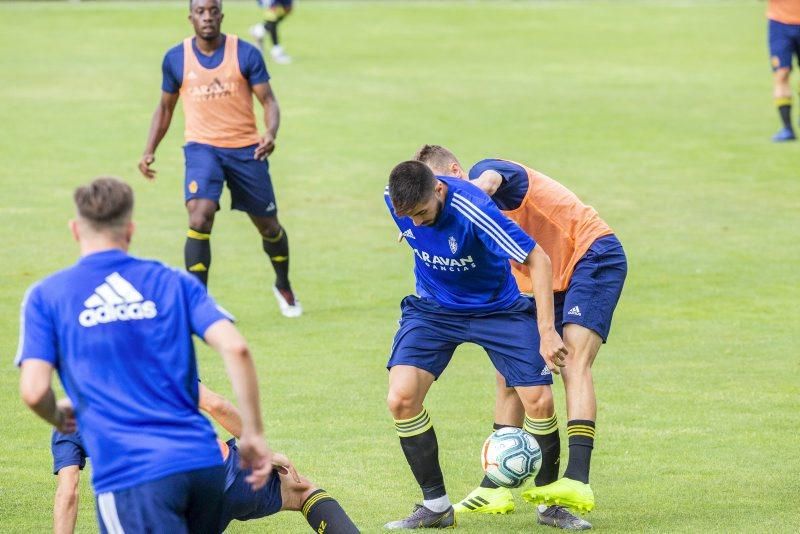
(126, 359)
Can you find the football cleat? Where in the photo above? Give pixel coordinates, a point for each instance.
(423, 517)
(486, 501)
(564, 492)
(784, 134)
(258, 32)
(560, 517)
(279, 56)
(290, 307)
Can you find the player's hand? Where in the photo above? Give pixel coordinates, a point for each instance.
(65, 417)
(257, 457)
(284, 466)
(265, 147)
(553, 351)
(144, 166)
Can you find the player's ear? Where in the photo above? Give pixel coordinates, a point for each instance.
(73, 228)
(130, 228)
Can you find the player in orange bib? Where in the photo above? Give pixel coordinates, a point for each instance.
(783, 29)
(216, 76)
(589, 270)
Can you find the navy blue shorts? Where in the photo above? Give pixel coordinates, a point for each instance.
(177, 504)
(594, 289)
(240, 501)
(429, 334)
(784, 42)
(67, 450)
(208, 167)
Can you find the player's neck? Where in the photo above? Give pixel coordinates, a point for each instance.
(101, 244)
(208, 47)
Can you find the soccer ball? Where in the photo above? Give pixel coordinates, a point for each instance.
(510, 456)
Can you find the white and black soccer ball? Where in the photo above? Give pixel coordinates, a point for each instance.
(510, 456)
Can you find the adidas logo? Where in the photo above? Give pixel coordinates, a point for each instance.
(575, 311)
(545, 371)
(192, 75)
(115, 300)
(270, 207)
(408, 234)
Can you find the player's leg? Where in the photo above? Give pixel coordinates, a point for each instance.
(251, 191)
(69, 458)
(65, 506)
(204, 506)
(278, 11)
(422, 348)
(781, 49)
(323, 512)
(202, 189)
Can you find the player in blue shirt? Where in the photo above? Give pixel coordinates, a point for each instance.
(118, 330)
(286, 490)
(465, 293)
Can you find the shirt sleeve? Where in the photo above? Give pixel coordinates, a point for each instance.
(37, 334)
(203, 310)
(389, 206)
(514, 187)
(172, 71)
(498, 233)
(252, 65)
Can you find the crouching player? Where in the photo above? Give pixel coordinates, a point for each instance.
(285, 490)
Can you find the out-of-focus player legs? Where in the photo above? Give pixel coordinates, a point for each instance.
(782, 93)
(275, 11)
(65, 507)
(276, 245)
(197, 250)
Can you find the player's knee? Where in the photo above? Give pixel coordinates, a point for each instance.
(67, 490)
(269, 228)
(538, 401)
(782, 75)
(402, 404)
(201, 221)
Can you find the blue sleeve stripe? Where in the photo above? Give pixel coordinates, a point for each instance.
(18, 357)
(485, 223)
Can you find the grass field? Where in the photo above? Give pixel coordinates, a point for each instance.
(656, 113)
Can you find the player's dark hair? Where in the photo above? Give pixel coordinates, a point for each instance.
(436, 157)
(106, 202)
(191, 3)
(410, 184)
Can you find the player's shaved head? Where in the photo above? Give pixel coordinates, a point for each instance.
(438, 158)
(217, 2)
(411, 183)
(105, 204)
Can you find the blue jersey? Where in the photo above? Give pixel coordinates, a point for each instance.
(512, 190)
(461, 262)
(251, 64)
(118, 329)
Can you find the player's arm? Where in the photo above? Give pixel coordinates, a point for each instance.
(489, 181)
(541, 269)
(35, 388)
(222, 410)
(224, 338)
(272, 119)
(162, 117)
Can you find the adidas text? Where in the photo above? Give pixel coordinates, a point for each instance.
(121, 312)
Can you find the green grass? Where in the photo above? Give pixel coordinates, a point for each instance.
(656, 113)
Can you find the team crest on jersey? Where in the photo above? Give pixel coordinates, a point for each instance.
(453, 244)
(193, 187)
(116, 300)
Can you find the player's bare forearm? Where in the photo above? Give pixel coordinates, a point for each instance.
(552, 347)
(223, 337)
(222, 410)
(272, 119)
(36, 391)
(159, 125)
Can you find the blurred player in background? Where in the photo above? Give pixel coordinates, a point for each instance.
(217, 76)
(461, 244)
(274, 12)
(589, 270)
(286, 490)
(784, 44)
(119, 331)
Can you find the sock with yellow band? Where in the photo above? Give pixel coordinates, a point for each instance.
(784, 106)
(581, 443)
(546, 433)
(326, 515)
(197, 254)
(277, 248)
(421, 449)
